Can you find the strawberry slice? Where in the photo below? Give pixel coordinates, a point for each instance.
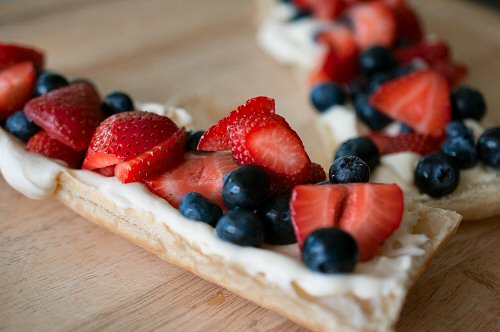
(153, 161)
(313, 207)
(369, 212)
(328, 10)
(16, 87)
(408, 25)
(429, 51)
(374, 24)
(11, 54)
(455, 73)
(69, 114)
(201, 172)
(420, 100)
(421, 144)
(216, 138)
(124, 136)
(43, 144)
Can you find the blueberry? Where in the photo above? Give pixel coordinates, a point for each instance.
(330, 250)
(241, 227)
(357, 86)
(300, 14)
(437, 175)
(118, 102)
(462, 150)
(20, 126)
(360, 147)
(405, 129)
(379, 79)
(277, 220)
(349, 169)
(403, 71)
(193, 140)
(372, 117)
(326, 95)
(377, 59)
(459, 129)
(246, 187)
(488, 147)
(197, 207)
(467, 103)
(48, 81)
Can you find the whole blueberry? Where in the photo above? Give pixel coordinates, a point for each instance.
(377, 59)
(379, 79)
(330, 250)
(462, 150)
(349, 169)
(193, 140)
(488, 147)
(275, 214)
(457, 128)
(118, 102)
(20, 126)
(467, 103)
(241, 227)
(405, 129)
(437, 175)
(372, 117)
(247, 187)
(357, 86)
(403, 71)
(361, 147)
(49, 81)
(197, 207)
(326, 95)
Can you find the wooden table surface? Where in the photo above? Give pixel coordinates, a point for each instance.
(61, 273)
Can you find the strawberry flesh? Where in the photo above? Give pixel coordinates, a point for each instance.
(16, 87)
(11, 54)
(43, 144)
(430, 52)
(418, 143)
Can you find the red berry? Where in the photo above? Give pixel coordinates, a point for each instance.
(317, 173)
(421, 144)
(16, 87)
(454, 73)
(408, 25)
(42, 144)
(328, 10)
(430, 52)
(11, 54)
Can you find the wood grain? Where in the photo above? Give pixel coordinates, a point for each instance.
(59, 272)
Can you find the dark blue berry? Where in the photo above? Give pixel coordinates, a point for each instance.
(275, 214)
(300, 14)
(437, 175)
(118, 102)
(330, 250)
(48, 81)
(379, 79)
(403, 71)
(488, 147)
(372, 117)
(405, 129)
(193, 140)
(357, 87)
(326, 95)
(467, 103)
(376, 60)
(247, 187)
(459, 129)
(20, 126)
(241, 227)
(361, 147)
(197, 207)
(349, 169)
(462, 150)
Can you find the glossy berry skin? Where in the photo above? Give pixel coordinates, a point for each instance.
(193, 140)
(326, 95)
(117, 102)
(488, 147)
(275, 214)
(459, 129)
(197, 207)
(330, 250)
(372, 117)
(241, 227)
(467, 103)
(437, 175)
(376, 60)
(379, 79)
(48, 81)
(360, 147)
(21, 127)
(349, 169)
(462, 150)
(247, 187)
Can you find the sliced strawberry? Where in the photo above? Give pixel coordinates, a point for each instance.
(69, 114)
(42, 144)
(429, 51)
(420, 100)
(454, 73)
(201, 172)
(11, 54)
(372, 212)
(216, 138)
(317, 173)
(16, 87)
(328, 10)
(374, 24)
(107, 171)
(421, 144)
(124, 136)
(408, 25)
(154, 161)
(313, 207)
